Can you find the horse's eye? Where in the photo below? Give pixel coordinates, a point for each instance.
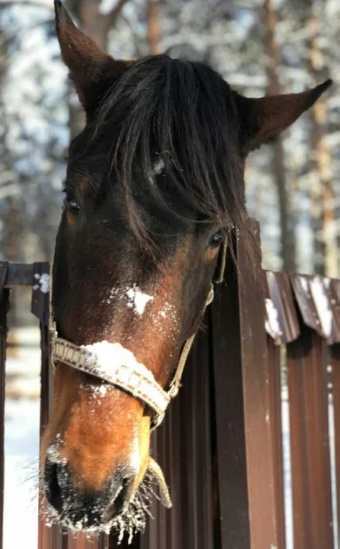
(216, 239)
(71, 202)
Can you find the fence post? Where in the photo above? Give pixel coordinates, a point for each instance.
(243, 430)
(47, 535)
(4, 306)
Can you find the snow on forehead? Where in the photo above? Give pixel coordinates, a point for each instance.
(137, 299)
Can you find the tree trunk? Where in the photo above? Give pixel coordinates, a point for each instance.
(11, 229)
(322, 194)
(153, 26)
(287, 229)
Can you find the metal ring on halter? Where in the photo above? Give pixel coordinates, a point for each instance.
(135, 379)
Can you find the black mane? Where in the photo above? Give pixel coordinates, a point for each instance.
(185, 113)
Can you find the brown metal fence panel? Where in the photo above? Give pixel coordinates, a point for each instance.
(257, 411)
(311, 477)
(221, 445)
(230, 458)
(306, 324)
(308, 359)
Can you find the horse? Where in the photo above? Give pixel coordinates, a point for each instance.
(153, 190)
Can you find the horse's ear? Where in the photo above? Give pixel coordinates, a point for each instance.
(261, 120)
(90, 67)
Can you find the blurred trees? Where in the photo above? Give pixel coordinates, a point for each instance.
(153, 34)
(287, 237)
(259, 46)
(322, 195)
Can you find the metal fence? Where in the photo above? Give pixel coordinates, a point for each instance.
(221, 445)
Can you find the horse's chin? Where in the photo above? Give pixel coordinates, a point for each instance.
(126, 519)
(124, 516)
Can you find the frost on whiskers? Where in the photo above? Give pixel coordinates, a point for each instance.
(126, 526)
(133, 518)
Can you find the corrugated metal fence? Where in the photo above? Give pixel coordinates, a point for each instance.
(267, 336)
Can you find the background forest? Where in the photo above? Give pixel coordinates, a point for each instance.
(259, 46)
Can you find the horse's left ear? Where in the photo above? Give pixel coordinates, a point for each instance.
(91, 69)
(263, 119)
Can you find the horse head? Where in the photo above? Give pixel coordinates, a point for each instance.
(154, 185)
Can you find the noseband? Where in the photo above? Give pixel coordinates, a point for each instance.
(130, 375)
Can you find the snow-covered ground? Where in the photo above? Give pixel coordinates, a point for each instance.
(21, 449)
(22, 445)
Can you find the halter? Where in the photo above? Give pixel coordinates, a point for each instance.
(130, 376)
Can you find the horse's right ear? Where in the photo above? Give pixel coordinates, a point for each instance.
(262, 119)
(91, 69)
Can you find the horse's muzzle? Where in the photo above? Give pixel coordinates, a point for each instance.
(82, 510)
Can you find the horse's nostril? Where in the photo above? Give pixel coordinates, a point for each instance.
(52, 487)
(81, 509)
